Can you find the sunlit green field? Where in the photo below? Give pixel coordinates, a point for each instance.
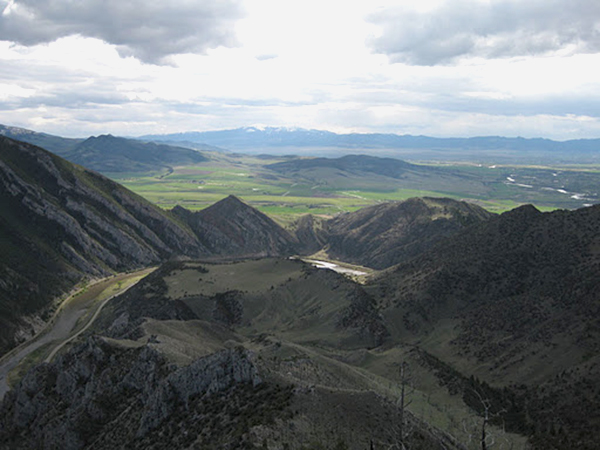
(327, 193)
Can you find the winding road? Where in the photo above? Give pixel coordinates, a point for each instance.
(80, 308)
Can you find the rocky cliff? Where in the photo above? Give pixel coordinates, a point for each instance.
(102, 394)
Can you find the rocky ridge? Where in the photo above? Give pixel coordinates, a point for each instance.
(381, 236)
(231, 227)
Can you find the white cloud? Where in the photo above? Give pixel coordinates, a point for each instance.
(302, 64)
(150, 30)
(489, 29)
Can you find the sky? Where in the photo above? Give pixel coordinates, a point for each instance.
(430, 67)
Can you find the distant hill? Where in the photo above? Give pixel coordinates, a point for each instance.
(389, 167)
(366, 172)
(274, 138)
(107, 153)
(200, 146)
(383, 235)
(55, 144)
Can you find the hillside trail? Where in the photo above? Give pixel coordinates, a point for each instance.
(72, 318)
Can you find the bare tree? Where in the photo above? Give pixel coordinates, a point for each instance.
(403, 430)
(486, 439)
(486, 418)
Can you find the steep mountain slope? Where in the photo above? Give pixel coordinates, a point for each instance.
(108, 153)
(230, 227)
(383, 235)
(514, 300)
(60, 222)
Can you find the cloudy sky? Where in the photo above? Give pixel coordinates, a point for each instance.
(434, 67)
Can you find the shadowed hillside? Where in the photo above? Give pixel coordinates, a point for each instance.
(514, 301)
(231, 227)
(383, 235)
(61, 223)
(108, 153)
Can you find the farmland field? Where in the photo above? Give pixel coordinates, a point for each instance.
(325, 191)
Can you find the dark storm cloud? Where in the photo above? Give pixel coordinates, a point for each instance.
(150, 30)
(495, 29)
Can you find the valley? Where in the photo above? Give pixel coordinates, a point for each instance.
(279, 187)
(267, 327)
(74, 315)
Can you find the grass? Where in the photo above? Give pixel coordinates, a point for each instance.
(248, 276)
(121, 282)
(323, 192)
(32, 359)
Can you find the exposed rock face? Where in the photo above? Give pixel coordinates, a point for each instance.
(204, 376)
(99, 388)
(230, 227)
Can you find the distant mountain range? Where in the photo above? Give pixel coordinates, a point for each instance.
(270, 139)
(274, 140)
